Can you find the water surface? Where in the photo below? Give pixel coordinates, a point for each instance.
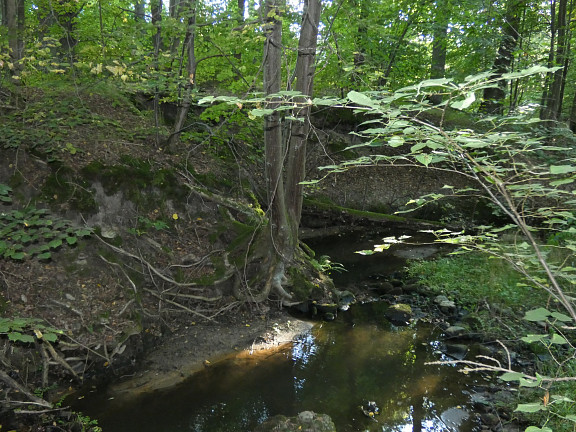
(333, 369)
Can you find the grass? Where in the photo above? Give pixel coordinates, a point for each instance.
(474, 279)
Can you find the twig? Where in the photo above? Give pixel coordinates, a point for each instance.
(181, 306)
(14, 384)
(60, 360)
(123, 272)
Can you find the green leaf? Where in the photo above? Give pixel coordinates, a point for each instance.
(534, 338)
(84, 232)
(537, 429)
(530, 407)
(511, 376)
(560, 316)
(16, 255)
(557, 339)
(71, 240)
(562, 169)
(424, 159)
(325, 102)
(56, 243)
(50, 337)
(261, 112)
(539, 314)
(20, 337)
(396, 141)
(461, 105)
(365, 252)
(361, 99)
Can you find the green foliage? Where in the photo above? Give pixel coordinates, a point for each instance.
(323, 264)
(145, 224)
(476, 280)
(27, 330)
(35, 233)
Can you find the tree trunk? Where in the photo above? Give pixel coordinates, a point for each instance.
(11, 10)
(559, 54)
(493, 102)
(190, 47)
(139, 12)
(156, 11)
(300, 127)
(274, 150)
(440, 35)
(394, 52)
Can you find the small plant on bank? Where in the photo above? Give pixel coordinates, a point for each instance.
(34, 233)
(27, 330)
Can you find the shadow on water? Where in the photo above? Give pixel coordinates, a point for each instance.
(333, 369)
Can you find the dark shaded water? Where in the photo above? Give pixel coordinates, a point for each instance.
(333, 370)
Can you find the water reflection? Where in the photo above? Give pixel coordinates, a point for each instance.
(333, 370)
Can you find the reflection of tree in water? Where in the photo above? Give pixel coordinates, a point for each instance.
(347, 363)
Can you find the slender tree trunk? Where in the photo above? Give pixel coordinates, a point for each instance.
(157, 41)
(394, 52)
(300, 127)
(572, 119)
(493, 102)
(559, 53)
(274, 146)
(190, 47)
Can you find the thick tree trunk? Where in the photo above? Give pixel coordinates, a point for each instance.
(300, 127)
(274, 150)
(440, 35)
(494, 97)
(11, 10)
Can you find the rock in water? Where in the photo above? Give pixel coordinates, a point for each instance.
(399, 314)
(306, 421)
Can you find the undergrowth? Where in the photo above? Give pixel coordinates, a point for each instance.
(476, 279)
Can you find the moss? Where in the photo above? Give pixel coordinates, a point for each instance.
(146, 187)
(370, 215)
(63, 187)
(302, 288)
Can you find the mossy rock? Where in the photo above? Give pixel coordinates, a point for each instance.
(306, 421)
(399, 314)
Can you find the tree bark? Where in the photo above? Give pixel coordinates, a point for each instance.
(300, 127)
(190, 47)
(157, 41)
(572, 119)
(440, 35)
(559, 54)
(493, 102)
(11, 10)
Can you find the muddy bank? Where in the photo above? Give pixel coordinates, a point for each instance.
(192, 348)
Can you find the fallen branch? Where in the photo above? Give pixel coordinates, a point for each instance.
(181, 306)
(15, 385)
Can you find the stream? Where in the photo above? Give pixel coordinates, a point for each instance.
(334, 369)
